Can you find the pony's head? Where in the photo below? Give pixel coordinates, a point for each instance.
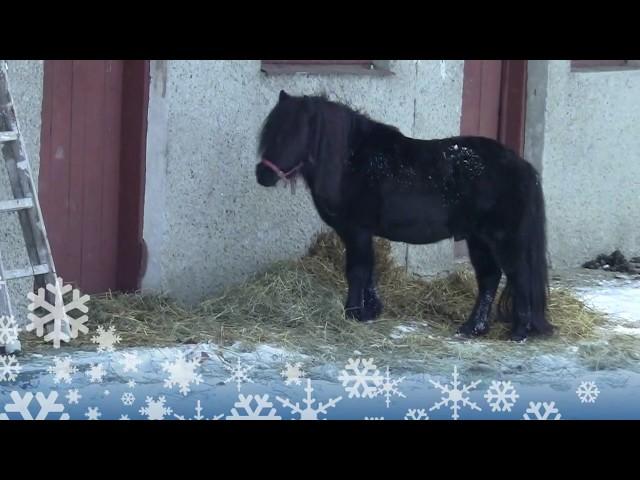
(284, 141)
(308, 134)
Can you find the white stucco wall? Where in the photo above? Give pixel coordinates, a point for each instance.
(591, 162)
(25, 77)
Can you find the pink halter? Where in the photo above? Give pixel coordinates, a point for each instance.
(284, 175)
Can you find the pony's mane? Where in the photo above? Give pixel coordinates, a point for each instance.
(323, 98)
(366, 123)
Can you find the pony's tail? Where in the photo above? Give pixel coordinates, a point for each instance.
(529, 295)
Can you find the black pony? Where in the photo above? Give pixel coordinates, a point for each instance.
(367, 179)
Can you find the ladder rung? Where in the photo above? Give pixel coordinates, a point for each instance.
(8, 136)
(26, 272)
(14, 205)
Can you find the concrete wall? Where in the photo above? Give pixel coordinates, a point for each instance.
(25, 77)
(207, 222)
(588, 138)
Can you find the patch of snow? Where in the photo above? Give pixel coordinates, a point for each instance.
(617, 299)
(401, 331)
(626, 330)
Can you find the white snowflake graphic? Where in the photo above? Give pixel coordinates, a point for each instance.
(416, 414)
(238, 374)
(130, 362)
(47, 405)
(73, 396)
(452, 396)
(308, 412)
(131, 384)
(62, 369)
(293, 373)
(124, 417)
(9, 330)
(198, 415)
(106, 393)
(58, 313)
(93, 413)
(155, 409)
(106, 339)
(127, 398)
(182, 373)
(374, 418)
(548, 409)
(245, 403)
(501, 396)
(9, 368)
(96, 373)
(388, 388)
(364, 379)
(588, 392)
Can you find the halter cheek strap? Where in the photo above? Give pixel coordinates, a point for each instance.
(284, 176)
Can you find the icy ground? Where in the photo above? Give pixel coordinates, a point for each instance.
(206, 382)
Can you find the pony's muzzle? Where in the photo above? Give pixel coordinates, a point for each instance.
(265, 176)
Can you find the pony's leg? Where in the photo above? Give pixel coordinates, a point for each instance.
(359, 246)
(372, 304)
(488, 276)
(520, 311)
(518, 302)
(522, 253)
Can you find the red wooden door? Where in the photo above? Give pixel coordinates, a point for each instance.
(91, 169)
(494, 100)
(481, 98)
(493, 105)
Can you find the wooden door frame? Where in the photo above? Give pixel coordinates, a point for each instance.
(132, 160)
(135, 104)
(512, 96)
(513, 104)
(480, 114)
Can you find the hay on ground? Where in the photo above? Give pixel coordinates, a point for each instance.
(299, 305)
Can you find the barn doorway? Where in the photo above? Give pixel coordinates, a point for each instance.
(91, 180)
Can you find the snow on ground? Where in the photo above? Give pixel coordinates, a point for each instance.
(619, 298)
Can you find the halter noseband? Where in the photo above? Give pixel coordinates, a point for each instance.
(284, 176)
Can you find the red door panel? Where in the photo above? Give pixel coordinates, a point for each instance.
(85, 128)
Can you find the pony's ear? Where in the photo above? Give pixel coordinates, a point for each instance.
(283, 95)
(331, 127)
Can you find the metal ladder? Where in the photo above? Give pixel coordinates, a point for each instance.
(25, 203)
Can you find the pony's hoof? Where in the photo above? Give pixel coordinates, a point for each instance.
(359, 314)
(519, 337)
(372, 304)
(352, 313)
(473, 329)
(372, 309)
(355, 313)
(520, 332)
